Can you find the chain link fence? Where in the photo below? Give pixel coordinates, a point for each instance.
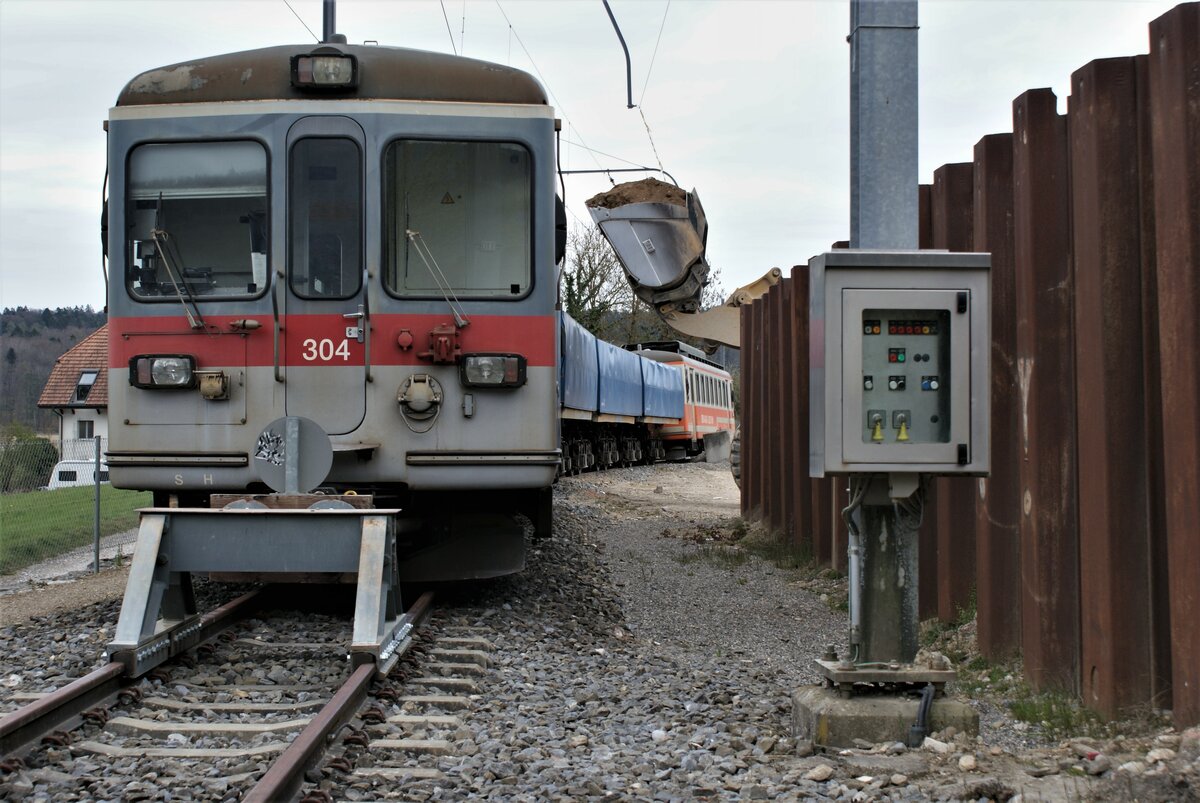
(56, 500)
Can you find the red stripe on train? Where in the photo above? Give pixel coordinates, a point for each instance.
(322, 339)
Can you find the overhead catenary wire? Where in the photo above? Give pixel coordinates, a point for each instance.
(641, 109)
(654, 55)
(449, 32)
(557, 104)
(650, 137)
(462, 34)
(602, 153)
(302, 22)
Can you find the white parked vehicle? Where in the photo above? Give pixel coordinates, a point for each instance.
(73, 473)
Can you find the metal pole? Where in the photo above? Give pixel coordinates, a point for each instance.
(96, 520)
(883, 124)
(884, 214)
(330, 19)
(628, 66)
(890, 616)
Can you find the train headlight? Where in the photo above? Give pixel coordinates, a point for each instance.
(325, 71)
(492, 370)
(162, 371)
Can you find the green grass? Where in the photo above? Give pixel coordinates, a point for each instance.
(729, 557)
(41, 524)
(1060, 715)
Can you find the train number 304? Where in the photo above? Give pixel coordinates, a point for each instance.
(325, 350)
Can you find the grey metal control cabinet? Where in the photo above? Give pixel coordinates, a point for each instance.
(899, 352)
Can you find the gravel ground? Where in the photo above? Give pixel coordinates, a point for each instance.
(632, 662)
(678, 596)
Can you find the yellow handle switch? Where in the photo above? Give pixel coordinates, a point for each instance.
(903, 436)
(877, 428)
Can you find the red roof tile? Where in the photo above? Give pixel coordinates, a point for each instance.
(89, 354)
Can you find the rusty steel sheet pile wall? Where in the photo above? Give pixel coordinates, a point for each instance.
(1082, 549)
(952, 228)
(1107, 190)
(1175, 137)
(997, 510)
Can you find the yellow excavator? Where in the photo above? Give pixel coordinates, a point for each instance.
(659, 234)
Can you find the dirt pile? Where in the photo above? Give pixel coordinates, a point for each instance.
(646, 191)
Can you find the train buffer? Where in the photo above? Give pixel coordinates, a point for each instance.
(289, 536)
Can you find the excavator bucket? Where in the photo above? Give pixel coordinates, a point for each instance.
(658, 233)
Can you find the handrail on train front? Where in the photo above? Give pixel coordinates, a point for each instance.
(278, 326)
(366, 323)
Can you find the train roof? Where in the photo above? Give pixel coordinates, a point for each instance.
(384, 73)
(670, 351)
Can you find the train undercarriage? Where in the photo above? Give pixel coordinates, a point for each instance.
(589, 446)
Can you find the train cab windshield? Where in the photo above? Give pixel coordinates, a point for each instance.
(458, 217)
(197, 220)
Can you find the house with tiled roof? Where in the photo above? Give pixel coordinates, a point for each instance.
(77, 392)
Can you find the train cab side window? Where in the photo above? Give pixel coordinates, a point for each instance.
(325, 218)
(195, 218)
(458, 216)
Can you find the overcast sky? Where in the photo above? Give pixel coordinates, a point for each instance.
(747, 101)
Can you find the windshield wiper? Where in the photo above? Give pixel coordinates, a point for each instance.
(162, 239)
(439, 278)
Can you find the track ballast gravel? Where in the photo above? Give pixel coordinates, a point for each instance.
(630, 665)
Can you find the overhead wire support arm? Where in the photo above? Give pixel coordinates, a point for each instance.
(624, 170)
(628, 64)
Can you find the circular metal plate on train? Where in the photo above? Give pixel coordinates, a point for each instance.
(293, 455)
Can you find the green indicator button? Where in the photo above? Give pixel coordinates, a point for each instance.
(900, 356)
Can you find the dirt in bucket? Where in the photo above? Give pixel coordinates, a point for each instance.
(646, 191)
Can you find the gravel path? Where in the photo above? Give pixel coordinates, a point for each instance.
(676, 591)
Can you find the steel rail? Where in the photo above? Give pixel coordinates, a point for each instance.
(283, 779)
(29, 723)
(26, 725)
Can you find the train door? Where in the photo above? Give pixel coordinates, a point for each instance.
(326, 307)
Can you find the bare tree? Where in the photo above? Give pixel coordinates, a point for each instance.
(594, 289)
(596, 293)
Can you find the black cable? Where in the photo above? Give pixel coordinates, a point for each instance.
(558, 159)
(104, 233)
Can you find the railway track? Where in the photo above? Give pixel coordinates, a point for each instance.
(247, 713)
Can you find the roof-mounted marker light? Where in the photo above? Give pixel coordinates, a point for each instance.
(325, 71)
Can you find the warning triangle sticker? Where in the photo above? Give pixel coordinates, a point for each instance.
(447, 198)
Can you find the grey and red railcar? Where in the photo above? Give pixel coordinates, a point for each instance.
(368, 238)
